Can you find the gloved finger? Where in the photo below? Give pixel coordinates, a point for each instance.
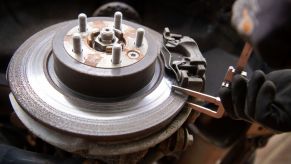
(281, 78)
(254, 86)
(239, 91)
(226, 100)
(264, 113)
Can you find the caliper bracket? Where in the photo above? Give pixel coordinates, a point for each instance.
(183, 58)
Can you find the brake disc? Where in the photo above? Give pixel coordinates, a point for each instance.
(66, 87)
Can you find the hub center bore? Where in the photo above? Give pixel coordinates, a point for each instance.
(114, 59)
(96, 43)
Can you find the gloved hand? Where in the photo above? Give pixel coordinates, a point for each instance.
(265, 99)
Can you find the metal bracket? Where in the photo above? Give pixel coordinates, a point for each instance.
(183, 58)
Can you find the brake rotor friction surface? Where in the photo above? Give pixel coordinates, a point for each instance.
(48, 101)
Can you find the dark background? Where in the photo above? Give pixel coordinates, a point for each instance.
(207, 21)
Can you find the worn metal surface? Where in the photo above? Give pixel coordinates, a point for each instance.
(90, 148)
(39, 92)
(102, 59)
(96, 81)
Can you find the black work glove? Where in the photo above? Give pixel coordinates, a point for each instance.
(265, 99)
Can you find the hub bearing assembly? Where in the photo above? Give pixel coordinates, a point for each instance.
(96, 87)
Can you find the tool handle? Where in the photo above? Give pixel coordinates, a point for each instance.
(240, 66)
(244, 58)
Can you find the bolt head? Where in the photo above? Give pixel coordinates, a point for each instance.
(107, 35)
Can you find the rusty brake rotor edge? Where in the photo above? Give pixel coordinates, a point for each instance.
(39, 92)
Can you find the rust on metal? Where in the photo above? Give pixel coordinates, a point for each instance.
(129, 32)
(92, 60)
(98, 54)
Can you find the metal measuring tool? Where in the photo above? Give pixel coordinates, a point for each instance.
(219, 110)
